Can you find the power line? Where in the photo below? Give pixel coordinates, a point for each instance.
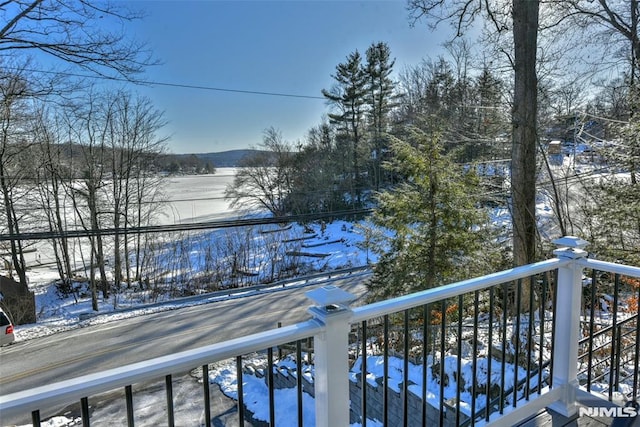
(169, 84)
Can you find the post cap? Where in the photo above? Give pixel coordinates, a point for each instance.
(570, 247)
(571, 242)
(330, 297)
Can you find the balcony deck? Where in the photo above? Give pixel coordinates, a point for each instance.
(549, 418)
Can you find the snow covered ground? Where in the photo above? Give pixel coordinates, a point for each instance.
(339, 246)
(193, 199)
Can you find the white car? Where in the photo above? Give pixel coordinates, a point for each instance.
(6, 329)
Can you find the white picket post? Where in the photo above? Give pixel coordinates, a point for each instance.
(331, 350)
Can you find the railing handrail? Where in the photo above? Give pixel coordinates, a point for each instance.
(455, 289)
(611, 267)
(74, 389)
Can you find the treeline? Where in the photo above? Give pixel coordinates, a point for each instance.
(184, 164)
(340, 163)
(71, 153)
(351, 157)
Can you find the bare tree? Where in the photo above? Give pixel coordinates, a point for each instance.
(14, 142)
(87, 126)
(71, 31)
(264, 181)
(145, 192)
(616, 24)
(50, 179)
(131, 142)
(115, 140)
(525, 134)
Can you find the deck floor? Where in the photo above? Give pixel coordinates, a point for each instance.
(549, 418)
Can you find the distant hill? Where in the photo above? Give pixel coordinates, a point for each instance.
(224, 159)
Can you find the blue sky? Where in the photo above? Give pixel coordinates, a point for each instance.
(287, 47)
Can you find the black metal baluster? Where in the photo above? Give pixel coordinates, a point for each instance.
(128, 391)
(169, 387)
(619, 333)
(272, 403)
(530, 333)
(207, 395)
(84, 411)
(363, 376)
(553, 326)
(425, 354)
(459, 361)
(443, 307)
(405, 372)
(543, 307)
(636, 355)
(385, 371)
(614, 340)
(516, 332)
(505, 309)
(592, 325)
(240, 382)
(35, 418)
(474, 358)
(489, 364)
(299, 371)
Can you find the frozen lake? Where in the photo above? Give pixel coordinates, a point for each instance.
(189, 199)
(198, 198)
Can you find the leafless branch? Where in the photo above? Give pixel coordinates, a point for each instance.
(72, 32)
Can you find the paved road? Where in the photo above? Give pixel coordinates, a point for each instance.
(73, 353)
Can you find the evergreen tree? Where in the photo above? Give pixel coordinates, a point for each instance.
(428, 91)
(432, 216)
(348, 98)
(615, 208)
(491, 119)
(380, 88)
(523, 20)
(315, 168)
(441, 94)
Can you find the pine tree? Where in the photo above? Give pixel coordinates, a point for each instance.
(489, 118)
(348, 98)
(315, 167)
(615, 211)
(432, 218)
(380, 89)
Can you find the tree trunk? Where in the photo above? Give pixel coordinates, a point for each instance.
(98, 247)
(92, 278)
(523, 163)
(17, 255)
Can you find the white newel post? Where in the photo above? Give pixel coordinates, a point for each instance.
(567, 323)
(331, 347)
